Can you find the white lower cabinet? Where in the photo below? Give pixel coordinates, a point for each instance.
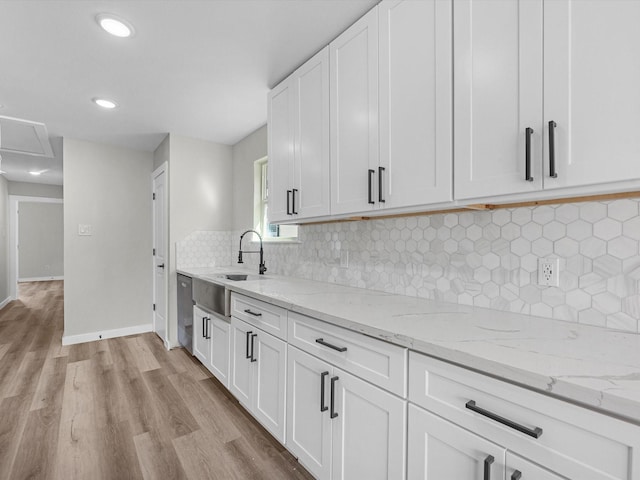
(440, 450)
(211, 343)
(520, 469)
(543, 438)
(258, 375)
(219, 357)
(341, 427)
(201, 343)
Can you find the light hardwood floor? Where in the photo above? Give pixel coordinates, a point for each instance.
(122, 408)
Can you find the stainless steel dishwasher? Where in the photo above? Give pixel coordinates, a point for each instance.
(185, 312)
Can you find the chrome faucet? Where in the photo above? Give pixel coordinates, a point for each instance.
(262, 268)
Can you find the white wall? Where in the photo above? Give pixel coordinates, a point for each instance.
(200, 198)
(108, 275)
(41, 240)
(4, 241)
(35, 190)
(251, 148)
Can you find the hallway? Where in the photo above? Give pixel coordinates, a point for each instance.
(122, 408)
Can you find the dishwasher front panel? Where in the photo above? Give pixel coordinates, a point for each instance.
(185, 312)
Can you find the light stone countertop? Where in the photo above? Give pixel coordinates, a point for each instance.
(592, 366)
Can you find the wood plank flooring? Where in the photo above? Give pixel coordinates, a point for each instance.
(122, 408)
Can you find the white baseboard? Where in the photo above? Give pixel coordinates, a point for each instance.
(116, 332)
(39, 279)
(5, 302)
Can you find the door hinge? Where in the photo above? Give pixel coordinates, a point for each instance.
(154, 251)
(154, 196)
(154, 307)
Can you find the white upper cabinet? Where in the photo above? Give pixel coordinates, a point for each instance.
(498, 95)
(354, 115)
(579, 99)
(311, 159)
(415, 103)
(281, 150)
(592, 90)
(299, 143)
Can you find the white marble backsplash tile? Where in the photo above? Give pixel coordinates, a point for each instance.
(204, 249)
(485, 258)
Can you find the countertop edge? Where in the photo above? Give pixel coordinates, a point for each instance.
(584, 396)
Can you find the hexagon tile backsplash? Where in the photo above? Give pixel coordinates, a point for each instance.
(204, 249)
(485, 258)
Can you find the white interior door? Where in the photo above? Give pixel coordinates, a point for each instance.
(160, 258)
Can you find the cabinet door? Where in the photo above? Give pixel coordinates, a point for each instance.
(241, 368)
(281, 149)
(308, 420)
(219, 358)
(311, 164)
(415, 102)
(369, 432)
(591, 79)
(354, 115)
(520, 469)
(200, 340)
(498, 94)
(270, 355)
(439, 449)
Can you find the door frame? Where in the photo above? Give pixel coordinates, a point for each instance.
(158, 171)
(14, 223)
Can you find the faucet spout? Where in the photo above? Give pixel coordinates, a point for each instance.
(262, 268)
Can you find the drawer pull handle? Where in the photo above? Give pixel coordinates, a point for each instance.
(535, 432)
(293, 203)
(323, 407)
(517, 475)
(322, 342)
(204, 331)
(248, 355)
(552, 150)
(487, 467)
(253, 337)
(252, 313)
(527, 154)
(370, 194)
(333, 412)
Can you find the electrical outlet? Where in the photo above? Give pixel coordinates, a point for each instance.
(344, 258)
(549, 272)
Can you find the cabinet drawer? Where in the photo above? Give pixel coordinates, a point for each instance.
(573, 441)
(270, 318)
(378, 362)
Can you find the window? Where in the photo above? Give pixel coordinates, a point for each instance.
(269, 232)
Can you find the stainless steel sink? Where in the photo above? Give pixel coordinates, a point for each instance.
(212, 296)
(236, 276)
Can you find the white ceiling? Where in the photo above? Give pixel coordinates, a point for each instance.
(199, 68)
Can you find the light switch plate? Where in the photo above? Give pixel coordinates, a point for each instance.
(84, 229)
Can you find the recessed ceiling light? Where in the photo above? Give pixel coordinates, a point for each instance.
(105, 103)
(114, 25)
(35, 173)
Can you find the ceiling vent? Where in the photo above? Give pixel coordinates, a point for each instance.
(25, 137)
